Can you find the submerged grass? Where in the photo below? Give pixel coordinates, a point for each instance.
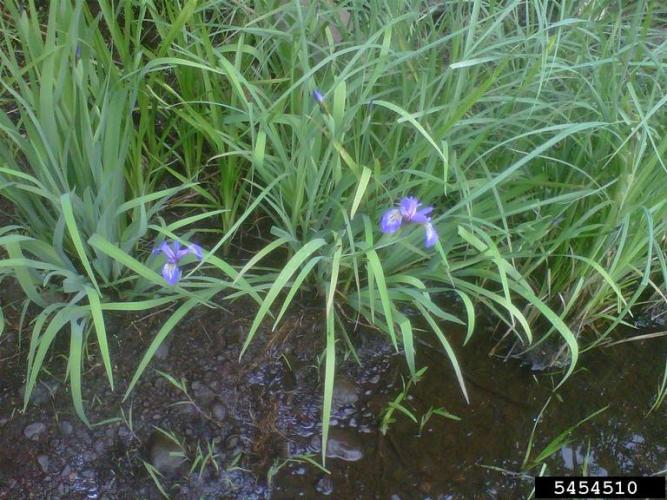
(535, 129)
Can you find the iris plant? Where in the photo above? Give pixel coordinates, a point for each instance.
(409, 212)
(174, 253)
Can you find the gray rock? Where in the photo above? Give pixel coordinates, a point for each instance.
(300, 471)
(325, 485)
(345, 393)
(66, 428)
(43, 462)
(85, 437)
(33, 431)
(233, 444)
(344, 445)
(42, 392)
(219, 411)
(162, 351)
(202, 393)
(165, 454)
(187, 410)
(88, 474)
(100, 447)
(67, 470)
(125, 435)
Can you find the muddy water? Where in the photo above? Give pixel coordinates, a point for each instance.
(463, 459)
(253, 422)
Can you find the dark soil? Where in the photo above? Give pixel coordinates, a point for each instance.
(251, 429)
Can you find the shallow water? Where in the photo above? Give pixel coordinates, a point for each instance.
(261, 416)
(448, 459)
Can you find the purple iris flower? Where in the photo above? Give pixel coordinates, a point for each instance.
(431, 236)
(408, 212)
(391, 221)
(174, 253)
(317, 95)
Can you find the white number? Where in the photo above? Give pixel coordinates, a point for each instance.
(619, 485)
(632, 487)
(572, 488)
(583, 487)
(558, 487)
(607, 487)
(595, 488)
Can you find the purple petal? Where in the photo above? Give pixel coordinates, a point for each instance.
(190, 249)
(177, 250)
(171, 273)
(391, 221)
(317, 95)
(196, 250)
(166, 250)
(421, 217)
(431, 236)
(409, 207)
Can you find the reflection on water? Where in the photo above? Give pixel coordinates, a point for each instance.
(464, 459)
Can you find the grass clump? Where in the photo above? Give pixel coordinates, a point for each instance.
(67, 141)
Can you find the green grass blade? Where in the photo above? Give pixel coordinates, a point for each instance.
(74, 363)
(330, 353)
(70, 222)
(100, 330)
(379, 279)
(361, 190)
(282, 279)
(448, 349)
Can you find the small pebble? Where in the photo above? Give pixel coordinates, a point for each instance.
(67, 470)
(100, 447)
(345, 392)
(162, 351)
(325, 485)
(299, 471)
(88, 474)
(33, 431)
(232, 443)
(344, 445)
(43, 462)
(65, 427)
(219, 411)
(165, 454)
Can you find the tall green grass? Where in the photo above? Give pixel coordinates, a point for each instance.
(67, 140)
(536, 130)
